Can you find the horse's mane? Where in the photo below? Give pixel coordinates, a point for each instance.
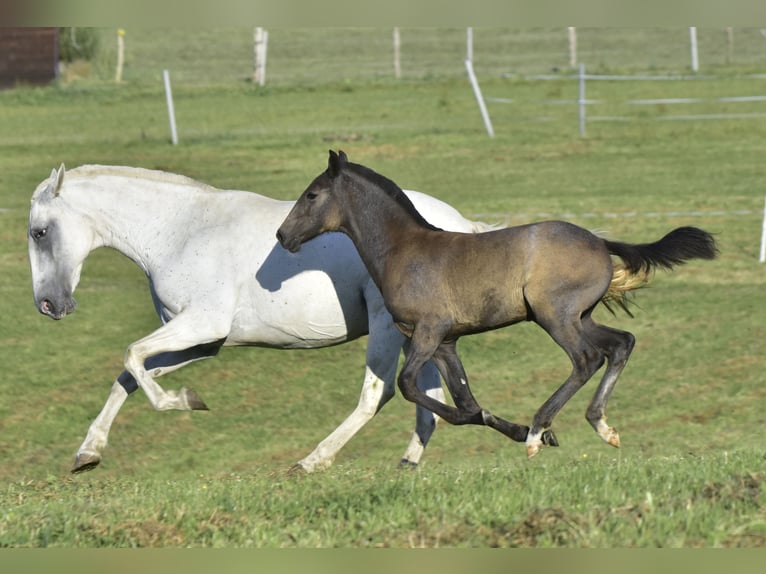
(138, 172)
(391, 189)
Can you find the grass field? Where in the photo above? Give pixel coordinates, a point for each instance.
(689, 406)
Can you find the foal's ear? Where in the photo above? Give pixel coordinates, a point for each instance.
(336, 163)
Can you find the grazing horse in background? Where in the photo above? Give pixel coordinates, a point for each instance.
(440, 285)
(217, 277)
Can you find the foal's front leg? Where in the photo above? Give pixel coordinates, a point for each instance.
(452, 371)
(424, 342)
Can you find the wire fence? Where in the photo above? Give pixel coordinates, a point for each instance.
(317, 56)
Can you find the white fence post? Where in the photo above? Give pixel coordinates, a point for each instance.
(260, 41)
(581, 100)
(120, 55)
(693, 42)
(479, 98)
(171, 110)
(572, 46)
(397, 57)
(762, 256)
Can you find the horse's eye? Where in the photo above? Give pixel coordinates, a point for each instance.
(38, 234)
(311, 196)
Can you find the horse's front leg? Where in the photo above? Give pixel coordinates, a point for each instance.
(90, 452)
(186, 330)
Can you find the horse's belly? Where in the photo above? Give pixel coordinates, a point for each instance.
(315, 314)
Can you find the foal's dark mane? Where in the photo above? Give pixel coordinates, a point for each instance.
(391, 189)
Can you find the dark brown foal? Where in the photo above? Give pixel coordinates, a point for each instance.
(439, 286)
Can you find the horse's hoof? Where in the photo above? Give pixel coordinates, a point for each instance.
(297, 470)
(195, 403)
(532, 450)
(614, 439)
(408, 464)
(85, 461)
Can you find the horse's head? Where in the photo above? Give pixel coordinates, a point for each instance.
(59, 241)
(317, 210)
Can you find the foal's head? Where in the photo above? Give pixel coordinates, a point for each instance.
(317, 209)
(329, 202)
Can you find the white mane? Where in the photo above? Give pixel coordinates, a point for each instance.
(138, 172)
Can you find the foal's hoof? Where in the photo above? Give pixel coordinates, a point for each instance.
(532, 450)
(546, 438)
(195, 403)
(549, 438)
(608, 434)
(85, 461)
(613, 438)
(408, 464)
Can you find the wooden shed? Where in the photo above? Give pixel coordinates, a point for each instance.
(28, 56)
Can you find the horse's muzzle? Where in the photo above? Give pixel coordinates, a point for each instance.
(57, 311)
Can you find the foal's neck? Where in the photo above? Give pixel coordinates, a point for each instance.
(379, 218)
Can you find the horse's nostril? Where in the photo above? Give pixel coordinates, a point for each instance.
(46, 306)
(280, 237)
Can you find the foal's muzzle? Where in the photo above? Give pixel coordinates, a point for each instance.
(292, 244)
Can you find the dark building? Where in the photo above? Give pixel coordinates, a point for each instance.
(28, 56)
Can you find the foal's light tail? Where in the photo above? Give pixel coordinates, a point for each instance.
(639, 260)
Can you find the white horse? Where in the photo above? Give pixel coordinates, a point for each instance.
(218, 277)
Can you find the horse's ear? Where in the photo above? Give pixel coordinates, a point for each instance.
(336, 163)
(57, 177)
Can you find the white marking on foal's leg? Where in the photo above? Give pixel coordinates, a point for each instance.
(607, 433)
(534, 443)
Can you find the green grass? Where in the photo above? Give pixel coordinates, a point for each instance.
(689, 406)
(700, 502)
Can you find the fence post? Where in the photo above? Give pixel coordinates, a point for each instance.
(572, 46)
(581, 100)
(479, 98)
(762, 256)
(260, 41)
(120, 55)
(397, 48)
(693, 42)
(171, 110)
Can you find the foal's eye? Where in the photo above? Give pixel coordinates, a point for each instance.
(38, 234)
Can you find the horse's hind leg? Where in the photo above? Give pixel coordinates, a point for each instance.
(89, 454)
(452, 370)
(617, 345)
(430, 383)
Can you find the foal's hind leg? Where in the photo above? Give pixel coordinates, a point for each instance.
(586, 360)
(617, 345)
(452, 371)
